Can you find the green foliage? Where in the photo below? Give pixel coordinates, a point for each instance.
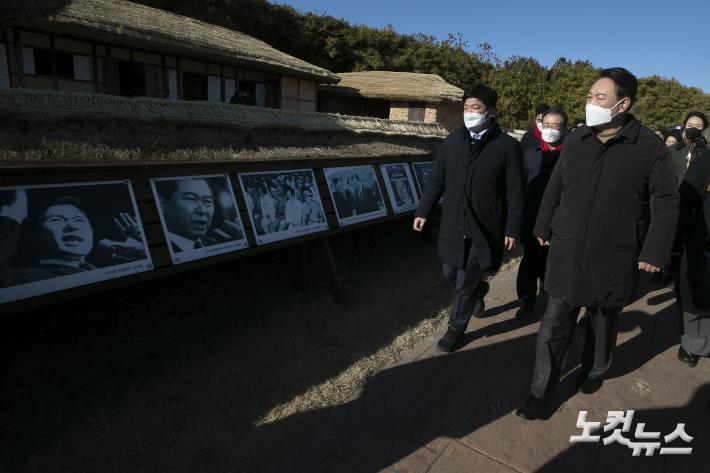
(522, 83)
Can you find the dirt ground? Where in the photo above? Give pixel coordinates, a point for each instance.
(202, 372)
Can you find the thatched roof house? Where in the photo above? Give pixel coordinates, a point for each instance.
(404, 96)
(123, 48)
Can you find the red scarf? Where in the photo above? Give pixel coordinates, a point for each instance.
(547, 150)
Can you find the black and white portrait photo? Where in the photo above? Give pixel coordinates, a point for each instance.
(54, 237)
(283, 204)
(400, 187)
(356, 193)
(421, 173)
(199, 215)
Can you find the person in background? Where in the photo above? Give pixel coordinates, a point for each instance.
(693, 272)
(601, 233)
(658, 132)
(480, 169)
(529, 138)
(538, 163)
(671, 137)
(692, 144)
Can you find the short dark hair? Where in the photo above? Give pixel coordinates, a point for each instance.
(700, 115)
(482, 92)
(556, 111)
(625, 83)
(672, 132)
(542, 108)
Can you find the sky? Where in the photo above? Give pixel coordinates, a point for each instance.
(666, 38)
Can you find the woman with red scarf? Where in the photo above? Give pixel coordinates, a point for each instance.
(539, 159)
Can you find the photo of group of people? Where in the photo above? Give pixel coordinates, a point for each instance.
(199, 216)
(283, 204)
(356, 193)
(54, 237)
(400, 187)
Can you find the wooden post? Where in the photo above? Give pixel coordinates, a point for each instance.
(19, 57)
(55, 82)
(95, 67)
(336, 285)
(303, 265)
(178, 76)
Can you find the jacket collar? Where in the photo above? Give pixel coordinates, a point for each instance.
(629, 130)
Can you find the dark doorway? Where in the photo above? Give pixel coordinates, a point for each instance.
(131, 79)
(194, 86)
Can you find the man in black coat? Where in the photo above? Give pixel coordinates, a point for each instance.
(609, 211)
(538, 162)
(479, 169)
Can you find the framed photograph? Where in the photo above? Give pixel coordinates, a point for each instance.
(282, 204)
(400, 187)
(356, 194)
(58, 236)
(421, 174)
(199, 216)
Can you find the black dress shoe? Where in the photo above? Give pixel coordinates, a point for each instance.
(687, 358)
(533, 408)
(588, 386)
(450, 341)
(479, 306)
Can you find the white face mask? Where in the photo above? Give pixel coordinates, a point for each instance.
(597, 115)
(474, 120)
(539, 126)
(551, 135)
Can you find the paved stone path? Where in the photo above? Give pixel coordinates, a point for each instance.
(446, 413)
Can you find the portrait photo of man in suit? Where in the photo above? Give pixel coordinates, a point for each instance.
(198, 213)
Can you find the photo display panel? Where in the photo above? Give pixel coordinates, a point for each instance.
(199, 216)
(282, 204)
(400, 187)
(59, 236)
(356, 193)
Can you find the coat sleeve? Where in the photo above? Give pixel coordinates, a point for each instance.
(514, 192)
(434, 189)
(665, 207)
(550, 200)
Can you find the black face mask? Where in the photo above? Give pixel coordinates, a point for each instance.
(692, 134)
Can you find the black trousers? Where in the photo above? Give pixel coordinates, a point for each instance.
(531, 268)
(555, 337)
(467, 286)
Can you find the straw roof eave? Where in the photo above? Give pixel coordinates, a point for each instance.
(128, 24)
(394, 86)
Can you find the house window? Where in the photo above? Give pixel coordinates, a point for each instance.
(416, 111)
(40, 63)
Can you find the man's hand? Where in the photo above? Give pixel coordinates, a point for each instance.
(510, 243)
(649, 268)
(419, 224)
(18, 209)
(543, 242)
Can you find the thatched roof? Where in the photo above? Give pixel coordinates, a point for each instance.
(130, 24)
(62, 103)
(389, 85)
